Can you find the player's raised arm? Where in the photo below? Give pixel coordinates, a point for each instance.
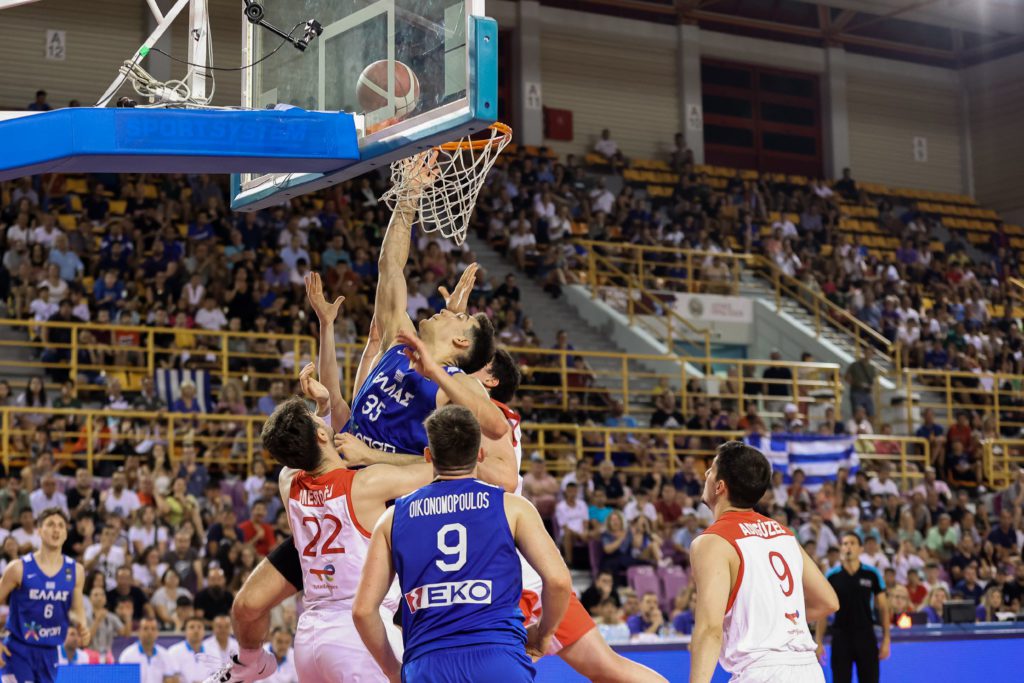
(543, 555)
(820, 598)
(392, 297)
(378, 573)
(387, 482)
(369, 357)
(710, 561)
(327, 362)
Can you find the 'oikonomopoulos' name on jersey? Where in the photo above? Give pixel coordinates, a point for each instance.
(768, 528)
(449, 504)
(472, 592)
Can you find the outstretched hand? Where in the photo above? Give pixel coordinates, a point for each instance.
(354, 451)
(421, 171)
(458, 301)
(326, 313)
(419, 358)
(313, 389)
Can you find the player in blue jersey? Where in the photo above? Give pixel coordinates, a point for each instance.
(45, 591)
(453, 546)
(389, 408)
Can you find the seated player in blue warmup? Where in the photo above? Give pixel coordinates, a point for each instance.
(45, 590)
(453, 545)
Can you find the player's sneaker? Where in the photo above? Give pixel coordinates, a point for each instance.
(236, 672)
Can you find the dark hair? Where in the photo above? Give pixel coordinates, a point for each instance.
(505, 370)
(745, 471)
(52, 512)
(193, 617)
(851, 534)
(454, 438)
(289, 434)
(481, 346)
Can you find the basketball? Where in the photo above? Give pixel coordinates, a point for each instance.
(372, 88)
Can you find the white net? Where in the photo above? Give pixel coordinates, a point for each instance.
(444, 182)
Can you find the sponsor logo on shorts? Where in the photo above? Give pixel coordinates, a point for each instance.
(472, 592)
(34, 631)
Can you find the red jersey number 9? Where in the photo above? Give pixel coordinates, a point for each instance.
(781, 569)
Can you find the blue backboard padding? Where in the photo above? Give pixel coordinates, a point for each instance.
(176, 141)
(99, 673)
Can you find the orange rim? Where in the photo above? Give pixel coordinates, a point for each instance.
(505, 133)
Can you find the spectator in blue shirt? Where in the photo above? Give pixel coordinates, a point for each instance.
(935, 435)
(936, 601)
(335, 253)
(650, 619)
(993, 603)
(40, 103)
(1004, 536)
(618, 417)
(201, 228)
(71, 267)
(187, 402)
(968, 586)
(267, 403)
(108, 291)
(686, 603)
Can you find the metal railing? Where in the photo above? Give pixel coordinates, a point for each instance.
(680, 270)
(996, 396)
(643, 272)
(554, 376)
(91, 437)
(1001, 459)
(90, 351)
(642, 307)
(827, 312)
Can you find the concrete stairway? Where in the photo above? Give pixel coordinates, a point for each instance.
(551, 315)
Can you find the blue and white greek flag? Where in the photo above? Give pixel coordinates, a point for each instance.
(820, 457)
(168, 386)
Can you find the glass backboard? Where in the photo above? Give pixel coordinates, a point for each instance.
(415, 73)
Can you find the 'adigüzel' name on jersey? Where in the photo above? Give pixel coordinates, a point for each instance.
(767, 528)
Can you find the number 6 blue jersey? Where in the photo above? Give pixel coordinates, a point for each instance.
(39, 607)
(458, 569)
(389, 409)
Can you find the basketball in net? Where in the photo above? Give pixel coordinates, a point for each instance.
(443, 182)
(372, 88)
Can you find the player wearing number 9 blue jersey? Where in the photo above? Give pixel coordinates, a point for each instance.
(45, 591)
(453, 546)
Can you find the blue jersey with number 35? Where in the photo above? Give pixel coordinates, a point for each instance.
(458, 569)
(389, 409)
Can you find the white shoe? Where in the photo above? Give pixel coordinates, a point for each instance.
(236, 672)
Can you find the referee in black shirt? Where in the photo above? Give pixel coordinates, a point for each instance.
(859, 587)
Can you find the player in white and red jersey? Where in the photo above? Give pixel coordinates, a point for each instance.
(753, 617)
(330, 510)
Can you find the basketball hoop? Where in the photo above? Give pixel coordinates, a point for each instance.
(460, 167)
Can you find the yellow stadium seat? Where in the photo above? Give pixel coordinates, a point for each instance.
(118, 207)
(76, 203)
(150, 192)
(77, 185)
(67, 221)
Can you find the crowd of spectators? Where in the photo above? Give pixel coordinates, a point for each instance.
(165, 539)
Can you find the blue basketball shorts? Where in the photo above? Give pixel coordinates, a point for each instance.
(28, 663)
(470, 665)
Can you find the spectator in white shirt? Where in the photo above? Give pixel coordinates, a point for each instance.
(25, 535)
(873, 555)
(46, 233)
(155, 665)
(883, 484)
(293, 252)
(281, 647)
(818, 532)
(47, 496)
(106, 556)
(221, 645)
(119, 500)
(601, 200)
(571, 516)
(210, 317)
(522, 243)
(609, 149)
(641, 505)
(193, 664)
